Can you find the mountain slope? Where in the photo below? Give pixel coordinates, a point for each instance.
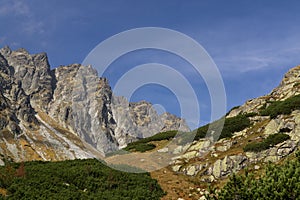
(273, 134)
(67, 112)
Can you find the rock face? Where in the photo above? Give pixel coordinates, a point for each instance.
(33, 74)
(68, 107)
(23, 134)
(140, 120)
(214, 161)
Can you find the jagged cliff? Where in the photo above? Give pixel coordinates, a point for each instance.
(67, 112)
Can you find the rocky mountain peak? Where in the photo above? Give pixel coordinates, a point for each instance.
(5, 50)
(33, 73)
(76, 101)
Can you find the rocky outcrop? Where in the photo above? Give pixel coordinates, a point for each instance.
(79, 103)
(140, 120)
(213, 161)
(82, 103)
(87, 106)
(24, 135)
(15, 104)
(32, 73)
(289, 86)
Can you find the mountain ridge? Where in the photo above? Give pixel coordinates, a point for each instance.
(76, 99)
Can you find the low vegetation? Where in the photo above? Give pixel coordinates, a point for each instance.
(231, 125)
(143, 145)
(278, 182)
(270, 141)
(77, 179)
(281, 107)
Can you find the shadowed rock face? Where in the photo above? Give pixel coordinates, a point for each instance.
(75, 100)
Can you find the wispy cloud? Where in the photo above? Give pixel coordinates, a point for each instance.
(15, 7)
(33, 26)
(280, 55)
(28, 22)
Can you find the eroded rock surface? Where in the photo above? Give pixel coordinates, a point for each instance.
(213, 161)
(76, 101)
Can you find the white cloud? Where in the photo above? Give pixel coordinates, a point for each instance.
(32, 26)
(29, 23)
(279, 55)
(15, 7)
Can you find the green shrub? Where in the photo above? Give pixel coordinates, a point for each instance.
(270, 141)
(256, 147)
(276, 138)
(142, 144)
(278, 182)
(231, 125)
(80, 179)
(251, 114)
(141, 147)
(234, 124)
(201, 132)
(282, 107)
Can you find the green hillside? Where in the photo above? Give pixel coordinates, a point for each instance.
(77, 179)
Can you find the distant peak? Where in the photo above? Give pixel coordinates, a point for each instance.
(22, 50)
(5, 50)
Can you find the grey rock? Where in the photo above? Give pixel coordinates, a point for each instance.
(33, 74)
(82, 103)
(140, 120)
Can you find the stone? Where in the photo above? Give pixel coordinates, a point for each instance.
(189, 155)
(178, 149)
(202, 144)
(224, 146)
(202, 198)
(256, 167)
(163, 150)
(176, 168)
(271, 128)
(191, 170)
(271, 159)
(297, 119)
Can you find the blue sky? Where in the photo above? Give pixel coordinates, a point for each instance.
(253, 42)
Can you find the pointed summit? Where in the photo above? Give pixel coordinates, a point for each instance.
(5, 50)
